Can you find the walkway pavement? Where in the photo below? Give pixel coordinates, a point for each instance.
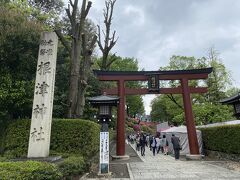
(160, 167)
(166, 167)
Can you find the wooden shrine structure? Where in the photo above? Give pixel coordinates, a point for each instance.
(153, 78)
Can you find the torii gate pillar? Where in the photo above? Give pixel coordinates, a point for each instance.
(121, 120)
(191, 129)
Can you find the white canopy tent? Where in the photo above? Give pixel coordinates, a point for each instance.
(181, 132)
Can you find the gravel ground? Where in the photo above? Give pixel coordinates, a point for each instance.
(235, 166)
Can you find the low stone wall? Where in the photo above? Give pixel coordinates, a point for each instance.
(222, 156)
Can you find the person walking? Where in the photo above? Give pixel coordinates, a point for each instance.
(147, 140)
(157, 144)
(142, 144)
(138, 142)
(176, 146)
(153, 145)
(150, 142)
(165, 145)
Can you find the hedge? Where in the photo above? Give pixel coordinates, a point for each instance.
(73, 166)
(29, 170)
(67, 136)
(222, 138)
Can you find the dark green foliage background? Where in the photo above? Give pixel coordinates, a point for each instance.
(224, 138)
(68, 136)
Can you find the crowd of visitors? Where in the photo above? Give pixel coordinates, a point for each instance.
(157, 144)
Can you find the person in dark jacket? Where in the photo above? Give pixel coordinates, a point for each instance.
(142, 144)
(176, 146)
(153, 145)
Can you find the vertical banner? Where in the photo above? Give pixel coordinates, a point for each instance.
(40, 132)
(104, 152)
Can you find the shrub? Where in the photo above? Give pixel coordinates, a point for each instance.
(222, 138)
(73, 166)
(130, 124)
(75, 136)
(129, 130)
(67, 136)
(16, 138)
(136, 127)
(29, 170)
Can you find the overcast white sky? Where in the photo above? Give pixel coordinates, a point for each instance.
(154, 30)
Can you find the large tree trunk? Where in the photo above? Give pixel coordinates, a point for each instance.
(84, 74)
(77, 90)
(74, 79)
(81, 100)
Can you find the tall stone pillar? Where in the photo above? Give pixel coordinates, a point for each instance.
(40, 132)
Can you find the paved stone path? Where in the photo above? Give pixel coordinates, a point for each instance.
(166, 167)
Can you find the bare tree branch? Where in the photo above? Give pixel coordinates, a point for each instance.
(69, 15)
(74, 11)
(174, 100)
(99, 39)
(88, 8)
(83, 43)
(111, 60)
(112, 42)
(94, 40)
(71, 3)
(109, 41)
(63, 40)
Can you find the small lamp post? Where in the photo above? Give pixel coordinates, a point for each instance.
(104, 104)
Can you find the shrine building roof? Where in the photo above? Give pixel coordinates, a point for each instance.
(104, 99)
(231, 100)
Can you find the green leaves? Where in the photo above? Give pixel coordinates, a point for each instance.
(18, 57)
(73, 165)
(222, 138)
(29, 170)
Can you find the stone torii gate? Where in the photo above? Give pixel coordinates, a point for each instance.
(153, 78)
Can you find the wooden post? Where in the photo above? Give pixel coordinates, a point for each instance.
(192, 135)
(121, 120)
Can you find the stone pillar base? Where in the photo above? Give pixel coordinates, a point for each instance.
(195, 157)
(105, 174)
(116, 157)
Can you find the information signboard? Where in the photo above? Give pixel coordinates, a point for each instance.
(104, 152)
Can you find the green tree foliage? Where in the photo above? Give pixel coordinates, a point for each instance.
(206, 107)
(219, 79)
(19, 38)
(45, 11)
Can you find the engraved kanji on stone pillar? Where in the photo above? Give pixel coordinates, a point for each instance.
(40, 132)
